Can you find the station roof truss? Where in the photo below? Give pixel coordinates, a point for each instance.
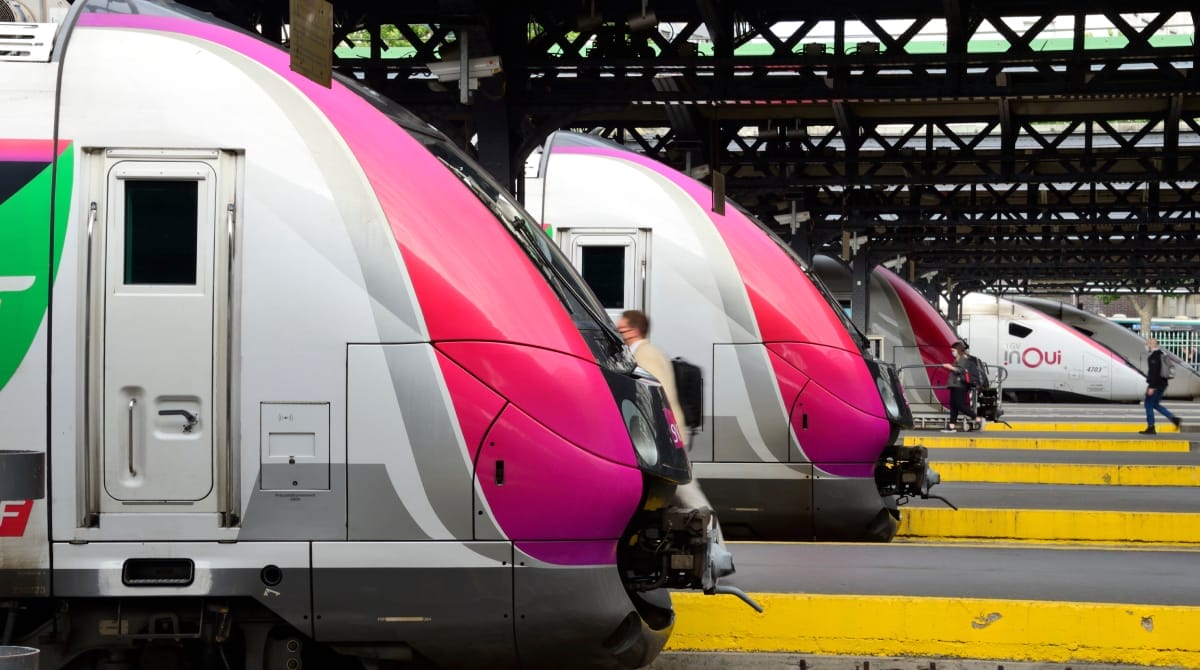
(988, 143)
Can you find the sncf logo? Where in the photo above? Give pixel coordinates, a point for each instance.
(14, 516)
(676, 439)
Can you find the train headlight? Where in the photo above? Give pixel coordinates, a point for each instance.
(887, 382)
(890, 403)
(641, 433)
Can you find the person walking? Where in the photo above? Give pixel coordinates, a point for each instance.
(634, 327)
(959, 385)
(1156, 385)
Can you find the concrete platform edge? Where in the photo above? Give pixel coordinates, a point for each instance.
(966, 628)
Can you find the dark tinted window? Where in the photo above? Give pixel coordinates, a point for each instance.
(160, 232)
(604, 272)
(1017, 330)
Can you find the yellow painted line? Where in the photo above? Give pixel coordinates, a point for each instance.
(968, 441)
(1080, 426)
(1013, 630)
(1051, 525)
(1068, 473)
(1062, 545)
(986, 544)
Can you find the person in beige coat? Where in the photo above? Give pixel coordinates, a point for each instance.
(634, 327)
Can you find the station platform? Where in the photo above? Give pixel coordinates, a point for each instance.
(1077, 542)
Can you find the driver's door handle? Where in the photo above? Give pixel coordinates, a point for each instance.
(192, 419)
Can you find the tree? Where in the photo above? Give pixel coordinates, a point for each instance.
(1145, 307)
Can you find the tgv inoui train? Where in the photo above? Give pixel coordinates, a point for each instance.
(912, 334)
(799, 438)
(306, 382)
(1045, 358)
(1124, 342)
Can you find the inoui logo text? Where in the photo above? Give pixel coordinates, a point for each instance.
(1032, 357)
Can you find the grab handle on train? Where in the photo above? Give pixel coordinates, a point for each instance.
(191, 418)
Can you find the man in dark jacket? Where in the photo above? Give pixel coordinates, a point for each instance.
(1156, 385)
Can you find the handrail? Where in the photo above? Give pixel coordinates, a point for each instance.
(998, 377)
(132, 404)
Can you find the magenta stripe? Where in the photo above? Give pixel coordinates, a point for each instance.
(931, 331)
(29, 151)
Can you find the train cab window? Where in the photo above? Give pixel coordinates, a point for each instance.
(603, 268)
(160, 231)
(1017, 330)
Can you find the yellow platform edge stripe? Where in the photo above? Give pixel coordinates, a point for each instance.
(1051, 525)
(1079, 426)
(1013, 630)
(1096, 474)
(966, 441)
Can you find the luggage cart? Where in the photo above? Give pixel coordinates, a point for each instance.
(922, 385)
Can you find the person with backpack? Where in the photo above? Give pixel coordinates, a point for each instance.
(959, 385)
(634, 327)
(976, 371)
(1157, 374)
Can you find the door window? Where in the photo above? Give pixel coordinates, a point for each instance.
(160, 232)
(603, 268)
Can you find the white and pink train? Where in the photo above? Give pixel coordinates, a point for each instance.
(1043, 359)
(799, 438)
(307, 387)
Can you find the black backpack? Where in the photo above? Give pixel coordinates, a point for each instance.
(1166, 369)
(689, 385)
(976, 373)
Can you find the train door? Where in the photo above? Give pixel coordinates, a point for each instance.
(161, 296)
(615, 263)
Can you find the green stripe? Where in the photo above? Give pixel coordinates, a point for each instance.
(24, 245)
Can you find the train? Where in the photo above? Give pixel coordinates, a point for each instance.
(801, 419)
(1046, 360)
(286, 380)
(909, 332)
(1038, 357)
(1121, 340)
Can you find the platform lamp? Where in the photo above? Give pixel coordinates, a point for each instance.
(644, 21)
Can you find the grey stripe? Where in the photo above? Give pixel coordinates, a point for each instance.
(745, 385)
(393, 300)
(735, 302)
(376, 512)
(432, 430)
(297, 515)
(765, 399)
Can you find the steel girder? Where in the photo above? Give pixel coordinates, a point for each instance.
(1053, 157)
